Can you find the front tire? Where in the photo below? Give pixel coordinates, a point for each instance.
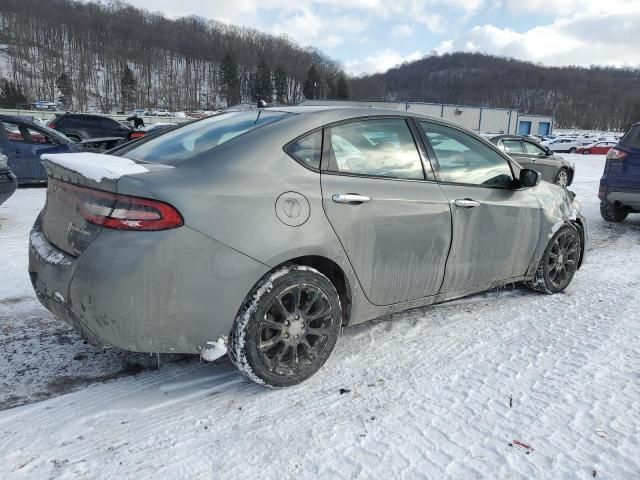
(287, 327)
(562, 178)
(612, 212)
(559, 262)
(586, 152)
(572, 150)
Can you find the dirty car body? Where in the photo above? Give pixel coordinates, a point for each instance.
(248, 192)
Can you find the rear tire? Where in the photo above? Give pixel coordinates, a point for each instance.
(559, 262)
(572, 150)
(612, 212)
(287, 327)
(586, 152)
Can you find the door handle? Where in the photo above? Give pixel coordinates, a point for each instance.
(466, 203)
(350, 198)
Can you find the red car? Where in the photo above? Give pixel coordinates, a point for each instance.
(598, 148)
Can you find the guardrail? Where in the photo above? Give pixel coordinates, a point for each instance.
(48, 115)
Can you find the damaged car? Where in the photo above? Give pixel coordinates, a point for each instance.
(262, 233)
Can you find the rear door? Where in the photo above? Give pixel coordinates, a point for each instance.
(513, 147)
(496, 225)
(393, 221)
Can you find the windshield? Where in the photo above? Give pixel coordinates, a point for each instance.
(194, 139)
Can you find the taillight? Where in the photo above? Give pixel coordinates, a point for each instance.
(136, 135)
(116, 211)
(52, 125)
(615, 154)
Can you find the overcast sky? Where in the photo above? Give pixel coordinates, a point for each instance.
(374, 35)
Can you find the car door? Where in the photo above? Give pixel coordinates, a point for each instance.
(393, 222)
(25, 145)
(540, 161)
(496, 223)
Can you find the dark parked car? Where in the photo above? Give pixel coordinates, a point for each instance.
(619, 191)
(24, 141)
(263, 233)
(530, 154)
(8, 181)
(83, 126)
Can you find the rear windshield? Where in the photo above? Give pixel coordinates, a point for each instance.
(194, 139)
(632, 138)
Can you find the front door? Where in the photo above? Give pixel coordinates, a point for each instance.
(394, 224)
(25, 145)
(539, 161)
(496, 224)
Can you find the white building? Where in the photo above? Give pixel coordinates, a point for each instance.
(480, 119)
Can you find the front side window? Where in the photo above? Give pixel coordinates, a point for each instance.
(533, 149)
(464, 159)
(512, 146)
(307, 150)
(380, 148)
(193, 139)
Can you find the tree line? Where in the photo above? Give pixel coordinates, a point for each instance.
(599, 98)
(113, 56)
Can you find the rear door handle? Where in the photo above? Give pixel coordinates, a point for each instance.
(350, 198)
(466, 203)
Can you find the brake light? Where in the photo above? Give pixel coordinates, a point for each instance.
(52, 125)
(136, 135)
(116, 211)
(615, 154)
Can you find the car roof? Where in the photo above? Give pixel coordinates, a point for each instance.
(503, 136)
(18, 119)
(326, 114)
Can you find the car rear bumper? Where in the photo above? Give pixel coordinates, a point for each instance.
(625, 196)
(166, 292)
(8, 184)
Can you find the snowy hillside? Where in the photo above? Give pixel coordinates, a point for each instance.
(503, 385)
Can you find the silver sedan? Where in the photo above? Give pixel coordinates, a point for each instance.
(261, 233)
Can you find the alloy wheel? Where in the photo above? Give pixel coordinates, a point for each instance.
(563, 259)
(295, 329)
(562, 179)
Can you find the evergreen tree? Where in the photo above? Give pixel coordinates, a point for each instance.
(127, 88)
(342, 87)
(11, 95)
(63, 83)
(230, 81)
(280, 84)
(312, 84)
(264, 83)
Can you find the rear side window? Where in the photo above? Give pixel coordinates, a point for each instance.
(381, 148)
(632, 137)
(532, 149)
(197, 138)
(307, 150)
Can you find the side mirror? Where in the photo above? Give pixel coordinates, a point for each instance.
(548, 151)
(529, 178)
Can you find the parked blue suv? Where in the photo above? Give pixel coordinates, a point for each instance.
(619, 191)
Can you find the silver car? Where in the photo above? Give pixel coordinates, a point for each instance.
(262, 233)
(530, 154)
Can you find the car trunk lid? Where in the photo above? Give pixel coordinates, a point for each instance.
(80, 184)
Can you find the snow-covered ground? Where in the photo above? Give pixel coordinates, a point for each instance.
(508, 384)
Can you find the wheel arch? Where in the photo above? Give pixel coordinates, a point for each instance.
(334, 273)
(577, 223)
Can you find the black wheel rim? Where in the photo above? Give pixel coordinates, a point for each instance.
(563, 259)
(295, 329)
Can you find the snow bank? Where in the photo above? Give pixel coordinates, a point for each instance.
(96, 166)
